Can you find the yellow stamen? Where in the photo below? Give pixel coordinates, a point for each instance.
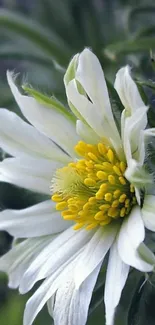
(117, 194)
(99, 195)
(106, 221)
(113, 212)
(122, 198)
(102, 175)
(108, 197)
(61, 205)
(122, 166)
(92, 156)
(69, 217)
(56, 198)
(91, 226)
(115, 203)
(122, 213)
(110, 155)
(99, 216)
(102, 148)
(89, 182)
(78, 226)
(92, 200)
(93, 191)
(104, 207)
(111, 179)
(122, 180)
(117, 170)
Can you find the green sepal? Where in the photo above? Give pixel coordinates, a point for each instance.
(71, 70)
(69, 76)
(51, 102)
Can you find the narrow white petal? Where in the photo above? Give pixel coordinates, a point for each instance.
(54, 256)
(71, 304)
(47, 120)
(50, 305)
(132, 134)
(47, 290)
(146, 254)
(86, 133)
(116, 276)
(95, 252)
(18, 259)
(87, 109)
(148, 212)
(127, 90)
(149, 133)
(131, 235)
(93, 115)
(137, 175)
(20, 139)
(33, 174)
(38, 220)
(90, 75)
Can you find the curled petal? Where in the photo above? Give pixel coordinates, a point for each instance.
(128, 91)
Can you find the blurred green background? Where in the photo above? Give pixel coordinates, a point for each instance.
(38, 38)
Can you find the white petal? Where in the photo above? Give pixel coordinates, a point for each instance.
(71, 304)
(146, 254)
(70, 72)
(32, 174)
(20, 139)
(116, 276)
(47, 120)
(132, 134)
(58, 283)
(86, 133)
(38, 220)
(93, 115)
(47, 290)
(50, 305)
(137, 175)
(131, 235)
(127, 90)
(18, 259)
(149, 133)
(54, 256)
(95, 252)
(148, 212)
(90, 75)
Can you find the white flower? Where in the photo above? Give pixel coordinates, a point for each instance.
(96, 176)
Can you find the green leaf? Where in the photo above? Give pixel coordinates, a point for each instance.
(46, 40)
(13, 197)
(129, 294)
(151, 111)
(144, 44)
(147, 31)
(137, 12)
(142, 309)
(51, 102)
(14, 52)
(150, 84)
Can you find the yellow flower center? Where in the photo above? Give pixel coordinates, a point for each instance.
(93, 191)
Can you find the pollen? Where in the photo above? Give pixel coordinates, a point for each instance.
(93, 191)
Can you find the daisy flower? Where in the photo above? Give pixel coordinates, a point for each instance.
(98, 193)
